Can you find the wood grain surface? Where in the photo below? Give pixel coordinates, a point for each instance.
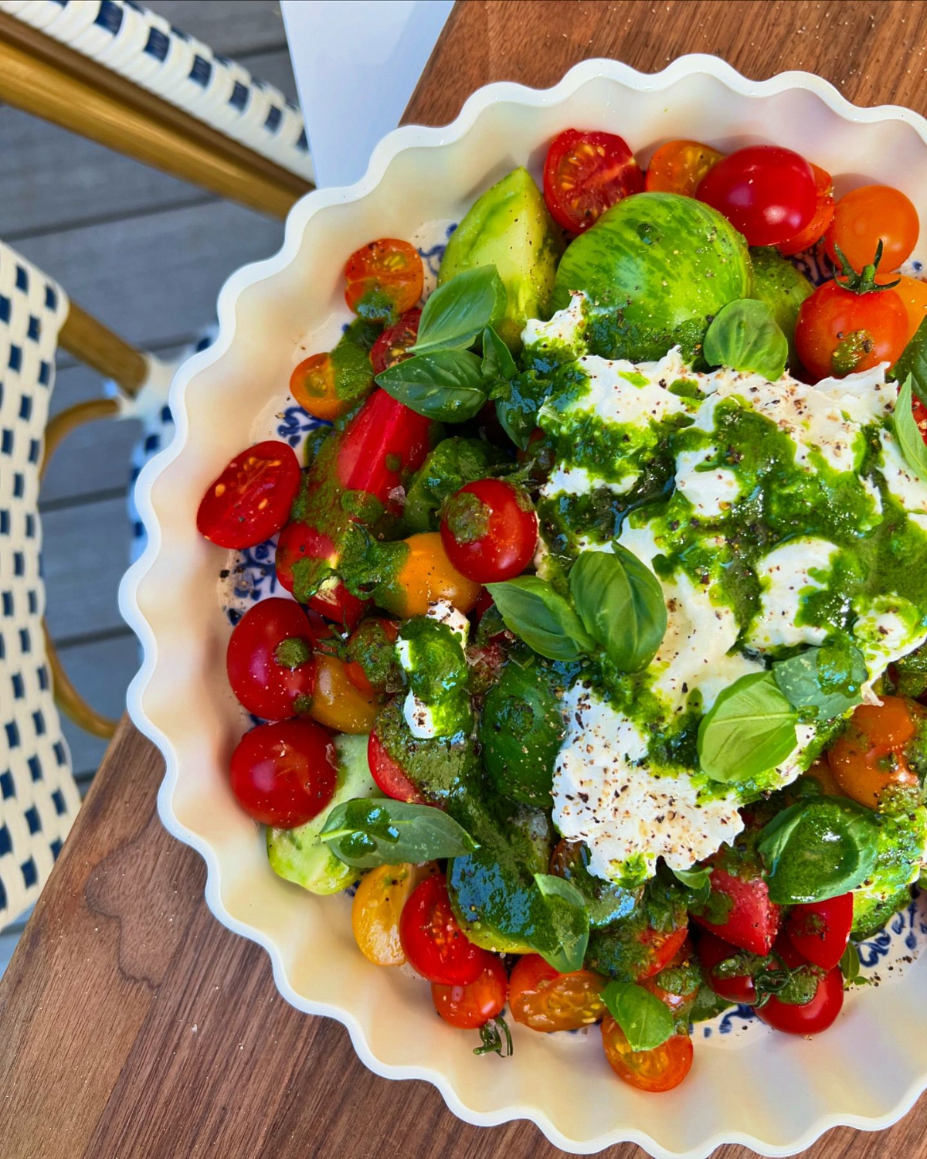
(133, 1026)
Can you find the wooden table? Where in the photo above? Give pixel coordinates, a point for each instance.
(132, 1025)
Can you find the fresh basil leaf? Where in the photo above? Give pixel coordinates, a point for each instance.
(849, 964)
(366, 833)
(457, 313)
(818, 849)
(621, 605)
(749, 730)
(562, 944)
(745, 336)
(446, 386)
(531, 609)
(811, 681)
(646, 1021)
(913, 363)
(693, 878)
(498, 362)
(907, 434)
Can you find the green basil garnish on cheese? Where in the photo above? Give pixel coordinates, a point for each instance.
(749, 730)
(744, 335)
(367, 833)
(541, 617)
(456, 313)
(621, 605)
(907, 433)
(818, 849)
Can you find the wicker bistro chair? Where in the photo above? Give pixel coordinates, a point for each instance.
(124, 77)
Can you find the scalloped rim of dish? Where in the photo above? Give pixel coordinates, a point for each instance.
(406, 137)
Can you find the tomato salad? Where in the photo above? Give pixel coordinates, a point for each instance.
(601, 663)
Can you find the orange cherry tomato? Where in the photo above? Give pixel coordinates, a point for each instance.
(823, 215)
(840, 332)
(867, 216)
(913, 295)
(312, 384)
(336, 702)
(469, 1006)
(545, 1000)
(377, 906)
(385, 278)
(869, 758)
(679, 166)
(657, 1070)
(425, 575)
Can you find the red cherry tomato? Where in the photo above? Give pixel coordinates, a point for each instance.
(753, 920)
(712, 952)
(300, 541)
(661, 948)
(839, 332)
(766, 192)
(269, 659)
(469, 1006)
(375, 632)
(251, 500)
(867, 216)
(388, 774)
(393, 344)
(489, 530)
(432, 940)
(823, 216)
(657, 1070)
(385, 279)
(679, 166)
(820, 931)
(585, 174)
(284, 774)
(815, 1016)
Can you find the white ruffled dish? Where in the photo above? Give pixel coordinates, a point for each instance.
(775, 1093)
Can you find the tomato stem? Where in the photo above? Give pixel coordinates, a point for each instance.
(863, 282)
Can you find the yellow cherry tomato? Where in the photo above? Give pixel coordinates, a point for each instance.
(336, 702)
(378, 903)
(425, 575)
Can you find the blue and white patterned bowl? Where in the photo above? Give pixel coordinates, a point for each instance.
(773, 1092)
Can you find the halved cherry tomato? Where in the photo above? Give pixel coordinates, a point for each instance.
(867, 216)
(284, 774)
(712, 952)
(327, 386)
(840, 332)
(377, 908)
(753, 920)
(432, 940)
(869, 757)
(469, 1006)
(823, 215)
(385, 279)
(425, 575)
(685, 983)
(766, 192)
(657, 1070)
(820, 930)
(585, 174)
(545, 1000)
(393, 344)
(300, 541)
(489, 530)
(269, 659)
(369, 651)
(814, 1016)
(678, 167)
(336, 703)
(388, 773)
(250, 501)
(661, 948)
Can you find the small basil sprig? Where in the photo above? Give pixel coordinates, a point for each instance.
(817, 849)
(446, 385)
(498, 362)
(457, 313)
(744, 335)
(541, 617)
(366, 833)
(646, 1021)
(564, 938)
(913, 363)
(697, 882)
(619, 609)
(749, 729)
(823, 682)
(907, 433)
(621, 605)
